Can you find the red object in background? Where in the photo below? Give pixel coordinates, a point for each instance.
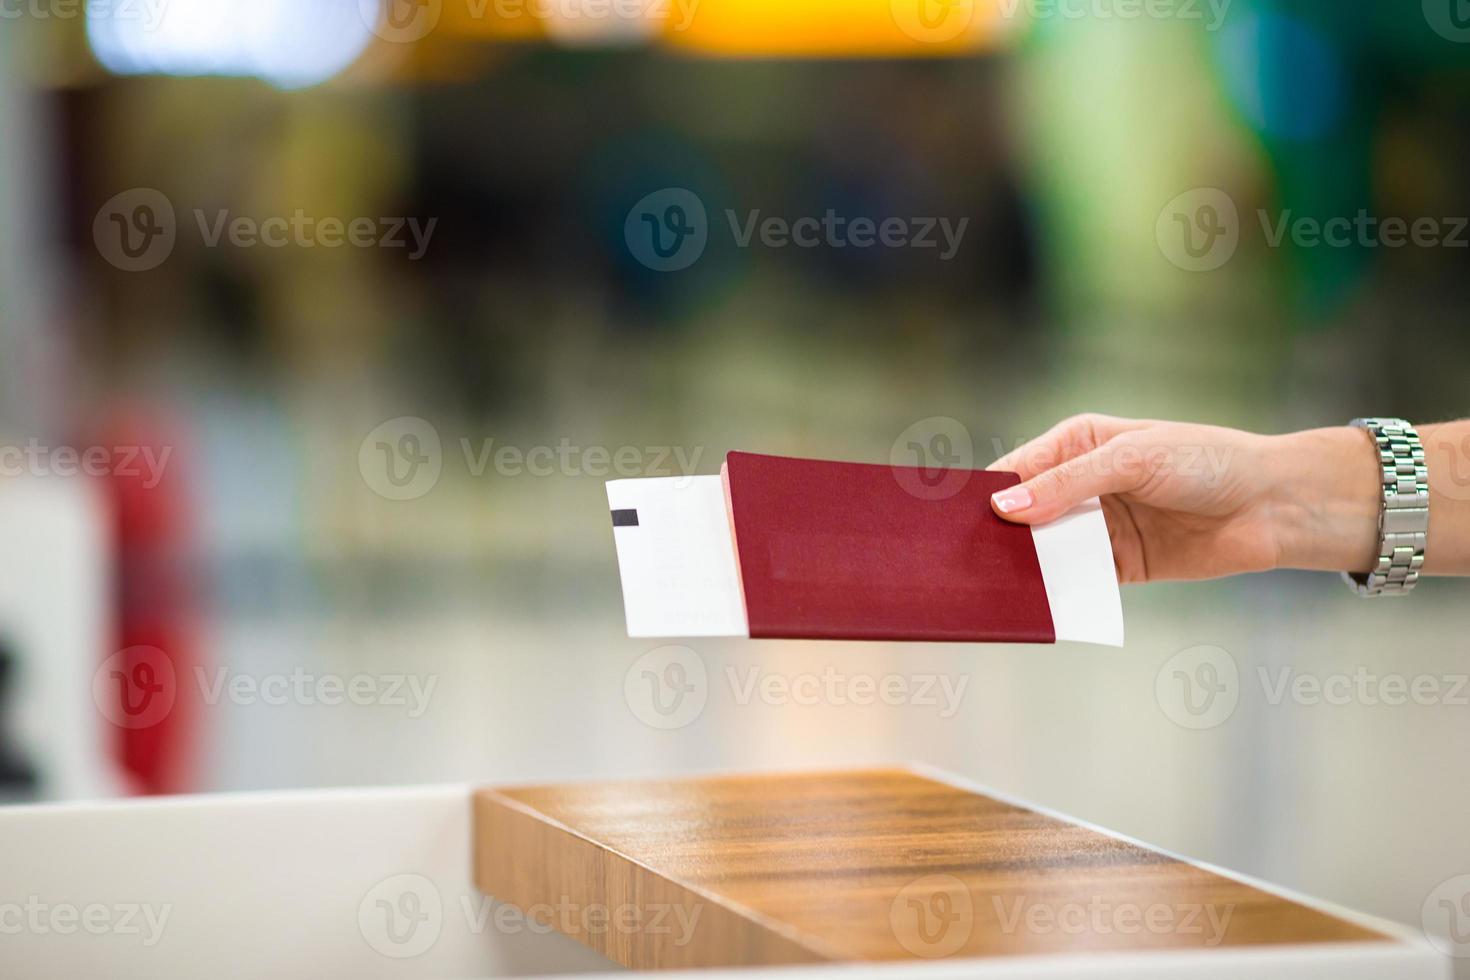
(155, 597)
(856, 551)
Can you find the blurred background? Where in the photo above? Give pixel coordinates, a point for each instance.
(323, 323)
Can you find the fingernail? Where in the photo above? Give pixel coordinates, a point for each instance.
(1012, 500)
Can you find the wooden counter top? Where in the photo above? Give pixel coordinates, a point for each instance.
(869, 865)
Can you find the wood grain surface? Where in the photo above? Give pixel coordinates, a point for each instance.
(859, 865)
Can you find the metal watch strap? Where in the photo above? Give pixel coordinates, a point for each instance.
(1403, 522)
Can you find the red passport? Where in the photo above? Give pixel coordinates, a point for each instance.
(847, 551)
(778, 547)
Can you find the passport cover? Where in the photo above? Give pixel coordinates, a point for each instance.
(830, 550)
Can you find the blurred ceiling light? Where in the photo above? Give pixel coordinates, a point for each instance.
(730, 28)
(588, 23)
(838, 28)
(289, 43)
(572, 23)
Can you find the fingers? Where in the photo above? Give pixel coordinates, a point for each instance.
(1051, 493)
(1062, 442)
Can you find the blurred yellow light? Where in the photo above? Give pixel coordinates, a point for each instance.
(835, 28)
(742, 28)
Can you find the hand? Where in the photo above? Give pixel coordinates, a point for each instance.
(1187, 501)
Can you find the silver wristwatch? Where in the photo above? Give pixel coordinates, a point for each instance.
(1403, 521)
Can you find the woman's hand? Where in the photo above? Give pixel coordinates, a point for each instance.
(1187, 501)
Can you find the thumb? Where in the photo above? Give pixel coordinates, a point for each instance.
(1050, 494)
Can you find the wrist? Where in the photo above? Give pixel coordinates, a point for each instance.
(1326, 497)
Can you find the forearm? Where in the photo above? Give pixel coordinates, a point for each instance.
(1326, 508)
